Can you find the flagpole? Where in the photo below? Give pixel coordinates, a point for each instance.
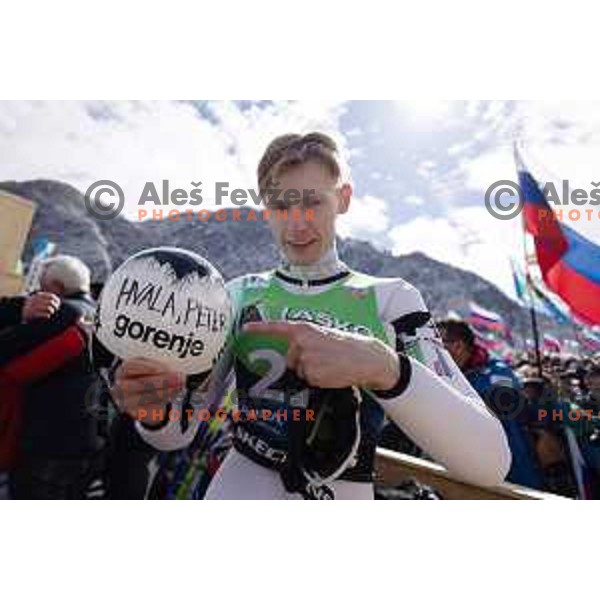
(576, 332)
(534, 324)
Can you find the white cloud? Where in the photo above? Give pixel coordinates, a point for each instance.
(496, 112)
(425, 168)
(481, 172)
(470, 239)
(366, 219)
(354, 132)
(135, 142)
(413, 200)
(459, 148)
(426, 110)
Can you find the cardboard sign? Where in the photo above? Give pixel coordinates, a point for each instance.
(10, 284)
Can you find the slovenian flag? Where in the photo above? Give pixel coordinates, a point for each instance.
(569, 262)
(590, 341)
(485, 319)
(551, 344)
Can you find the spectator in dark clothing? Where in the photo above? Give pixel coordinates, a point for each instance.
(551, 445)
(131, 464)
(47, 362)
(592, 382)
(13, 312)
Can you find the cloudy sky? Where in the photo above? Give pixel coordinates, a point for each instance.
(420, 167)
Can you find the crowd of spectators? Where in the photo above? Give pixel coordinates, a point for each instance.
(61, 435)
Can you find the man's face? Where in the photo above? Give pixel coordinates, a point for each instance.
(306, 238)
(593, 382)
(533, 391)
(458, 349)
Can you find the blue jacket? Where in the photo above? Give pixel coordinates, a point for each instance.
(524, 469)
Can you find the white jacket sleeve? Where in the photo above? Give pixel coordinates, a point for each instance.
(433, 403)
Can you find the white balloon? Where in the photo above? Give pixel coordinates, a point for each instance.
(168, 304)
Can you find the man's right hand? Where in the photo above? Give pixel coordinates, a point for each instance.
(144, 388)
(41, 305)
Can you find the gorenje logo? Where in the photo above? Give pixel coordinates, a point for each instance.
(136, 330)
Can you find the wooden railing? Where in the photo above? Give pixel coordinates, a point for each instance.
(393, 468)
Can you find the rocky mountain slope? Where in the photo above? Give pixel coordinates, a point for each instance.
(236, 247)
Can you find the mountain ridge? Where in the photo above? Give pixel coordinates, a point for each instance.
(237, 247)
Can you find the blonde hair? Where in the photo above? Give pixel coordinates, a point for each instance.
(292, 149)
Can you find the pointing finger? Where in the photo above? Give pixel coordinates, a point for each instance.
(281, 329)
(293, 356)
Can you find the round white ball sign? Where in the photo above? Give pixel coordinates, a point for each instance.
(167, 304)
